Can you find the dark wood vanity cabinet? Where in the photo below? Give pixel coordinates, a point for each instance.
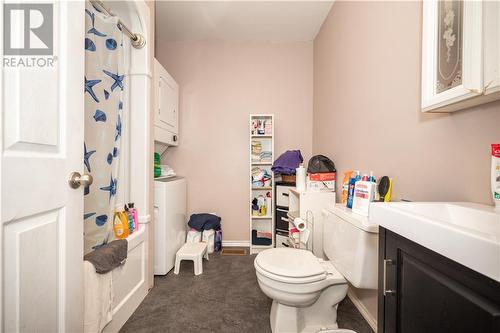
(420, 291)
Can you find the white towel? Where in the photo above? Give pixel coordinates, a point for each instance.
(98, 299)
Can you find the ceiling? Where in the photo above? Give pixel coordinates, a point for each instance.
(276, 21)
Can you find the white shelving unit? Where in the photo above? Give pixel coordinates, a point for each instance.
(308, 205)
(263, 223)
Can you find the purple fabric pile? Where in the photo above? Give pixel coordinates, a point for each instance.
(287, 162)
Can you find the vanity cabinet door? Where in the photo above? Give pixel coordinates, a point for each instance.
(426, 292)
(452, 54)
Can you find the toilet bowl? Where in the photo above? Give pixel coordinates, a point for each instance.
(305, 290)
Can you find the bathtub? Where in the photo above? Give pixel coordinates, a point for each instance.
(130, 280)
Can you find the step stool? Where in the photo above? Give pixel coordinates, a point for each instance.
(194, 252)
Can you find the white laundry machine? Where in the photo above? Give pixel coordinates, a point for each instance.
(170, 221)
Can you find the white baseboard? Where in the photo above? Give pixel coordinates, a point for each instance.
(240, 243)
(363, 310)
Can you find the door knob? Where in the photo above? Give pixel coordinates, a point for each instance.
(76, 180)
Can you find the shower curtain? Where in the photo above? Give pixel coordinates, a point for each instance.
(104, 84)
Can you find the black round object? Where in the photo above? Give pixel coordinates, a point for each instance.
(383, 187)
(320, 164)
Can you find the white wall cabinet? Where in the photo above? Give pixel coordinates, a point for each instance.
(167, 106)
(460, 54)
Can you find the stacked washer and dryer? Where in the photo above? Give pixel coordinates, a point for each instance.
(170, 209)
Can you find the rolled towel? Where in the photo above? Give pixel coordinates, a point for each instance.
(260, 241)
(108, 256)
(262, 234)
(98, 299)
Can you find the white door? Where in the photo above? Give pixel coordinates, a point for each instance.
(42, 143)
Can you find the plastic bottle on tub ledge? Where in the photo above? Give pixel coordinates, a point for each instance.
(130, 219)
(133, 211)
(495, 174)
(120, 225)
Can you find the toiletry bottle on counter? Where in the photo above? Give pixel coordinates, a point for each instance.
(345, 187)
(363, 195)
(372, 177)
(300, 178)
(495, 174)
(352, 182)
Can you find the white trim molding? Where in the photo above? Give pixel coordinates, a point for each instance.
(237, 243)
(144, 219)
(372, 321)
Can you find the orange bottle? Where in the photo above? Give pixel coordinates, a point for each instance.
(120, 225)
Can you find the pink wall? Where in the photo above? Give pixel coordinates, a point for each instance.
(221, 84)
(366, 108)
(367, 111)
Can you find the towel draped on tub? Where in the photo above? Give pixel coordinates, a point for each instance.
(98, 297)
(108, 256)
(98, 282)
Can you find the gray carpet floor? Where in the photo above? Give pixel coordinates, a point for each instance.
(225, 298)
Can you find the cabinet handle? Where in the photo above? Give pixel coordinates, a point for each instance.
(284, 219)
(482, 91)
(487, 86)
(385, 290)
(285, 194)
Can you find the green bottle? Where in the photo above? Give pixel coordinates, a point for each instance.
(157, 166)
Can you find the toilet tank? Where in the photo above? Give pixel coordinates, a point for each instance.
(350, 242)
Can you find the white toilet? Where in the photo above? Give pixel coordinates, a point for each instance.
(306, 290)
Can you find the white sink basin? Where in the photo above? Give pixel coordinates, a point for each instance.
(467, 233)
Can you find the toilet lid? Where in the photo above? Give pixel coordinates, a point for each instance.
(291, 263)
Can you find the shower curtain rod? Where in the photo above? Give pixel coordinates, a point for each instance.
(137, 40)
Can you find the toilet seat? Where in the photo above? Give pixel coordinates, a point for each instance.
(291, 280)
(295, 267)
(288, 262)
